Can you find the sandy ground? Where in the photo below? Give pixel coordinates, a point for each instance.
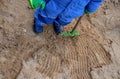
(93, 55)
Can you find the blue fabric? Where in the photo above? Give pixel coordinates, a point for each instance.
(64, 11)
(59, 25)
(93, 5)
(38, 26)
(39, 21)
(42, 19)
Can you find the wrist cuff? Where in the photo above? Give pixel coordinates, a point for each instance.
(87, 12)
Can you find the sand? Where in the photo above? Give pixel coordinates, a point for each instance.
(93, 55)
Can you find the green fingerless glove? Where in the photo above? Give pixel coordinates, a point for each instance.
(37, 3)
(87, 12)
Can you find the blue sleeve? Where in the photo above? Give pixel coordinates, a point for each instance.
(93, 5)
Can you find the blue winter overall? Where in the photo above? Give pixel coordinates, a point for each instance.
(62, 12)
